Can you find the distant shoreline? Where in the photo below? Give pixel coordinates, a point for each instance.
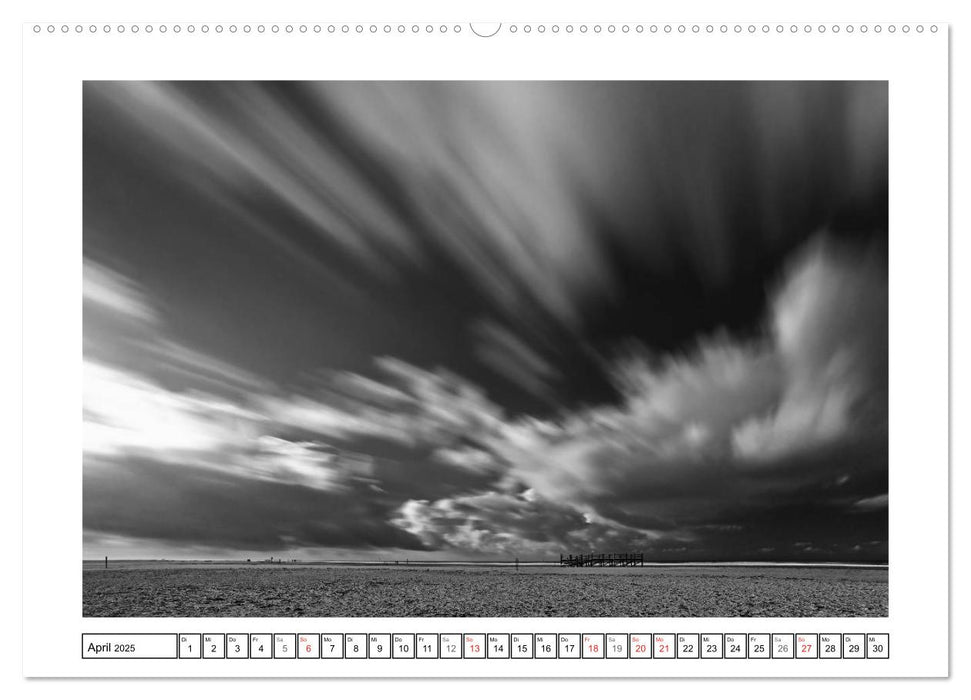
(484, 564)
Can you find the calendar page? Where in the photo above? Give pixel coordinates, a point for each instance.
(439, 348)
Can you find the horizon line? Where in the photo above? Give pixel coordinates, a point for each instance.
(494, 562)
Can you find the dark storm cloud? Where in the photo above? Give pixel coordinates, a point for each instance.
(676, 459)
(489, 319)
(198, 507)
(697, 178)
(665, 470)
(571, 205)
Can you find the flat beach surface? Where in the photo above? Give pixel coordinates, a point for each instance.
(212, 590)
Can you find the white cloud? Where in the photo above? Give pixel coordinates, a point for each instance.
(408, 405)
(690, 427)
(323, 418)
(489, 522)
(511, 525)
(200, 368)
(129, 414)
(306, 463)
(115, 293)
(468, 458)
(687, 424)
(879, 502)
(226, 426)
(679, 445)
(371, 391)
(829, 326)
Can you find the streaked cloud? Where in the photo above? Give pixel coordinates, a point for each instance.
(258, 142)
(115, 293)
(872, 503)
(829, 324)
(215, 420)
(487, 319)
(469, 458)
(127, 414)
(511, 357)
(676, 453)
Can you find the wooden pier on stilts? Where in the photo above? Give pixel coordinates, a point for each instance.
(612, 559)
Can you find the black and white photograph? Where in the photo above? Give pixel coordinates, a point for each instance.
(485, 349)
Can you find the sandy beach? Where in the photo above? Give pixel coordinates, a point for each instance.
(209, 590)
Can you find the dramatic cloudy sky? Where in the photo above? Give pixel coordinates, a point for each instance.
(486, 320)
